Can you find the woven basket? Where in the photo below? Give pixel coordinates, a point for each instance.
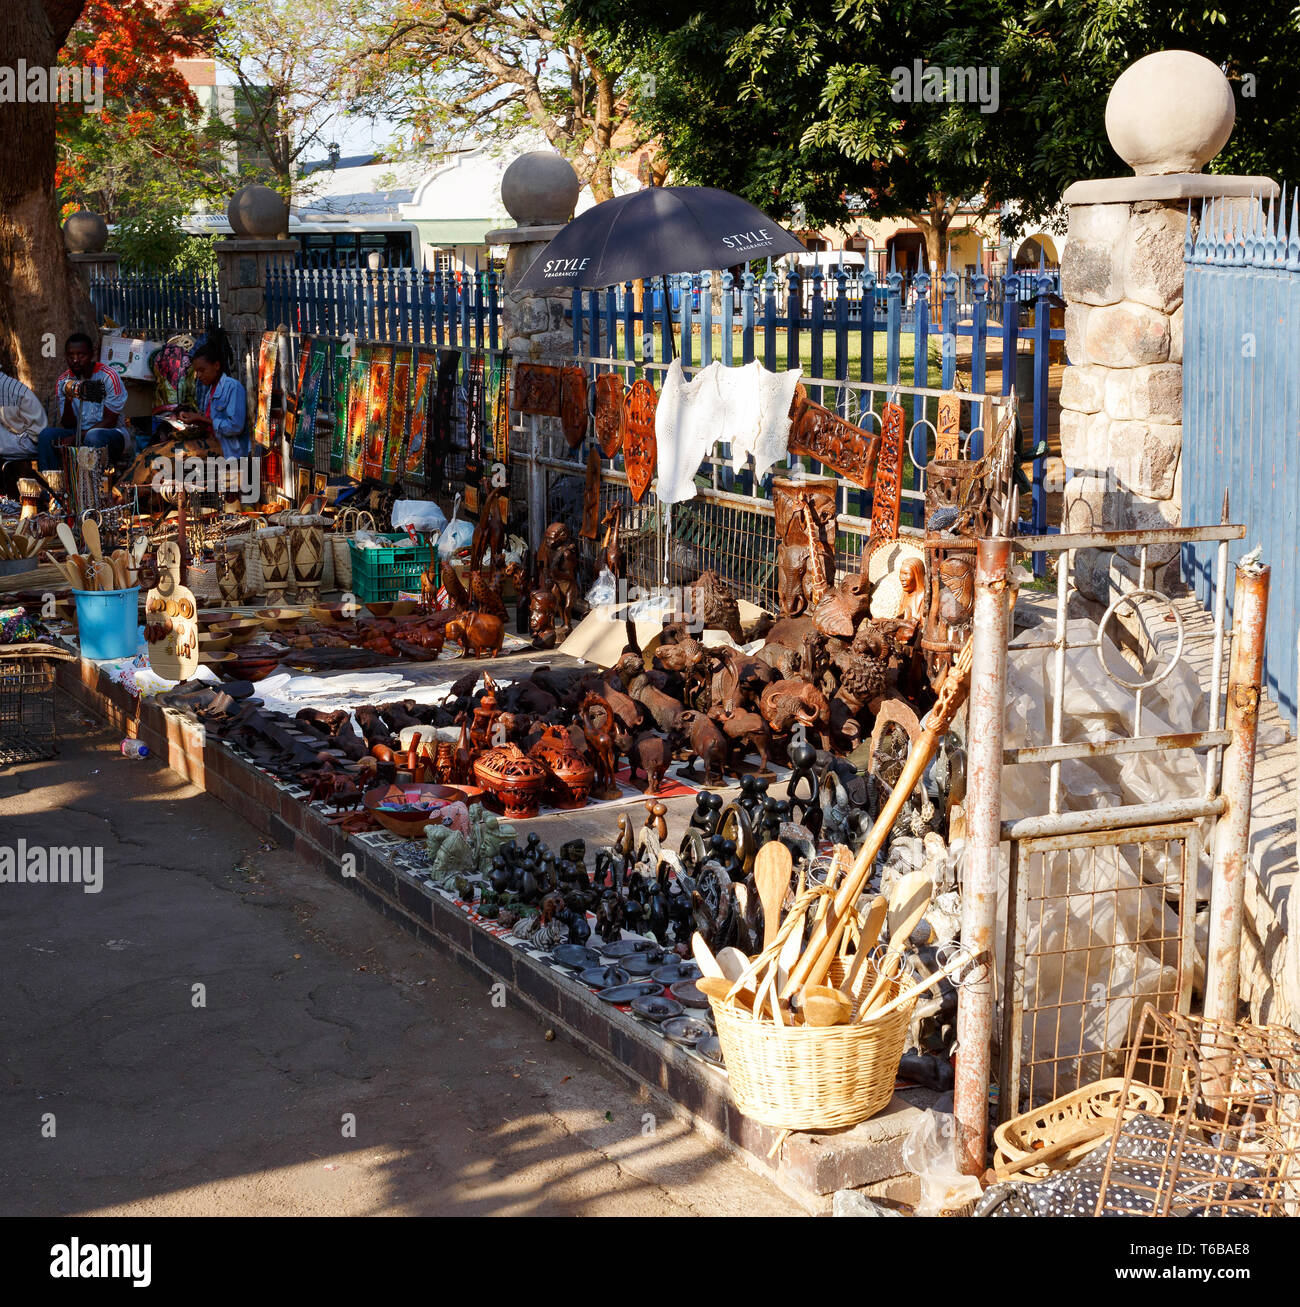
(808, 1078)
(202, 579)
(1054, 1122)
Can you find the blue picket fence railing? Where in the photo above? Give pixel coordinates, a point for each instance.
(158, 306)
(1241, 406)
(783, 318)
(763, 317)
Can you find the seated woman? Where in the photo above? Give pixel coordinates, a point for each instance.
(222, 405)
(22, 419)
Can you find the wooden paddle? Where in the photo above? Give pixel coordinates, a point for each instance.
(67, 539)
(90, 534)
(816, 959)
(772, 869)
(908, 901)
(867, 937)
(704, 958)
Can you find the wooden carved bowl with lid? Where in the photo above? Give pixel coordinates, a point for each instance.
(513, 779)
(571, 775)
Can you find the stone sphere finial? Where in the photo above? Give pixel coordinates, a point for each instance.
(540, 189)
(258, 213)
(1171, 111)
(85, 233)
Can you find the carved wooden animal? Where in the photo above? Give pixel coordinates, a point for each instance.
(479, 634)
(713, 606)
(708, 744)
(666, 711)
(741, 678)
(746, 730)
(598, 722)
(650, 755)
(785, 703)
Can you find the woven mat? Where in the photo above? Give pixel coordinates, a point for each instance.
(44, 577)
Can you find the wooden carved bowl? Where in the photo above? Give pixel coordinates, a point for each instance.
(406, 815)
(241, 629)
(394, 608)
(571, 775)
(513, 779)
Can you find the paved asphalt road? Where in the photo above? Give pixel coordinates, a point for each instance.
(316, 1013)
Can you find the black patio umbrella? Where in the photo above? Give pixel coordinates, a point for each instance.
(653, 232)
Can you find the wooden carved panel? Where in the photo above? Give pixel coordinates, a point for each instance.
(822, 434)
(573, 405)
(609, 413)
(947, 444)
(591, 497)
(801, 569)
(537, 389)
(640, 449)
(888, 493)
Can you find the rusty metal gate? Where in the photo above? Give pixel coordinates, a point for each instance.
(1092, 908)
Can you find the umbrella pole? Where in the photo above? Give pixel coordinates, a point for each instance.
(668, 308)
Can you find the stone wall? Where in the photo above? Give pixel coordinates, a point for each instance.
(1121, 395)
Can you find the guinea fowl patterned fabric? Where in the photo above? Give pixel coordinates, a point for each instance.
(1207, 1178)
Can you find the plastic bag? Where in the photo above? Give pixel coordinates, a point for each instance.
(930, 1153)
(422, 514)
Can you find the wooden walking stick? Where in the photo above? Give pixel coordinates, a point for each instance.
(816, 959)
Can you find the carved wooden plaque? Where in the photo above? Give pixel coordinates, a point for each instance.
(640, 449)
(948, 428)
(537, 389)
(802, 569)
(838, 445)
(591, 497)
(170, 624)
(609, 413)
(573, 405)
(888, 491)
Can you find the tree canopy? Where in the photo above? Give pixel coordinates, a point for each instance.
(797, 106)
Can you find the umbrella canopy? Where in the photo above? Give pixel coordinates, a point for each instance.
(655, 231)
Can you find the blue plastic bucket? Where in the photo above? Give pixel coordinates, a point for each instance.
(106, 622)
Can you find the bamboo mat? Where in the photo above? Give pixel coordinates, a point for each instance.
(45, 577)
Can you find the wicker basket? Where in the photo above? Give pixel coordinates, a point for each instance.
(1064, 1116)
(809, 1078)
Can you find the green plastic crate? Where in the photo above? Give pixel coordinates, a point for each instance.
(378, 574)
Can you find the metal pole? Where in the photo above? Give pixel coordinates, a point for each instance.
(1232, 834)
(536, 487)
(983, 835)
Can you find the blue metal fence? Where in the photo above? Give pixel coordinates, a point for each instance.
(1241, 405)
(776, 319)
(158, 306)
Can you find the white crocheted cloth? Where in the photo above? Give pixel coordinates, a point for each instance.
(763, 419)
(688, 418)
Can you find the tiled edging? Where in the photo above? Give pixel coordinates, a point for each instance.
(810, 1167)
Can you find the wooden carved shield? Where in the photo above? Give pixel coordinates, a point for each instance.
(640, 450)
(609, 413)
(573, 405)
(887, 495)
(591, 497)
(537, 389)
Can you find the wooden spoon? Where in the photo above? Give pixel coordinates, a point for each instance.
(90, 534)
(704, 958)
(824, 1006)
(67, 539)
(772, 869)
(716, 987)
(866, 943)
(909, 899)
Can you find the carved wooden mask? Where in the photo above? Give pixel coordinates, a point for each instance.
(609, 413)
(573, 405)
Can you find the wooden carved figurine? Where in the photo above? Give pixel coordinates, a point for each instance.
(573, 405)
(557, 561)
(541, 618)
(803, 564)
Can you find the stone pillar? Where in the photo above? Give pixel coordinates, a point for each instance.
(1122, 279)
(539, 192)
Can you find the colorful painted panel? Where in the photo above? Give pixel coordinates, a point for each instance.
(311, 375)
(358, 389)
(399, 408)
(267, 359)
(377, 412)
(421, 398)
(339, 445)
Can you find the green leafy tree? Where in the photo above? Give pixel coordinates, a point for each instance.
(797, 106)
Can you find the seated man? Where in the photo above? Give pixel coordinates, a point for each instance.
(21, 420)
(101, 420)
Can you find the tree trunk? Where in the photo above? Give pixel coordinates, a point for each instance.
(934, 227)
(42, 299)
